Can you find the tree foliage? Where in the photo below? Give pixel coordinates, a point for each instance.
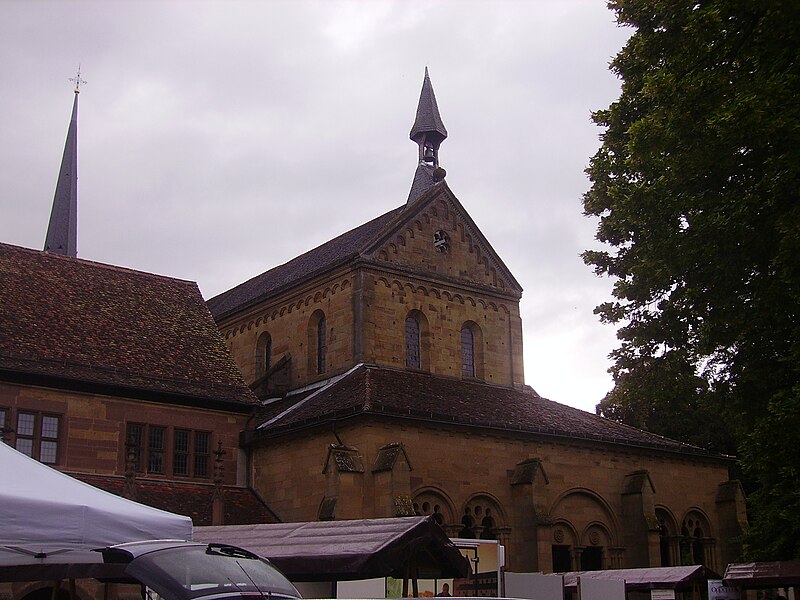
(697, 190)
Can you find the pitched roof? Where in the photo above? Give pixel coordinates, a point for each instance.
(242, 505)
(95, 324)
(371, 390)
(337, 251)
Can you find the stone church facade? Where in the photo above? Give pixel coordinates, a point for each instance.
(389, 366)
(377, 375)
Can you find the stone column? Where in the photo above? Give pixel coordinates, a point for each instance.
(639, 523)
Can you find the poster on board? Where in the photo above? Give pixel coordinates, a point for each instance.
(717, 591)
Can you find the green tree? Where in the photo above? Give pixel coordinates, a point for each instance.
(697, 190)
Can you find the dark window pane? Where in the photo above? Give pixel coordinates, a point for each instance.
(412, 343)
(180, 464)
(155, 454)
(50, 427)
(201, 465)
(48, 452)
(562, 559)
(181, 440)
(25, 423)
(2, 418)
(25, 445)
(268, 355)
(467, 353)
(202, 443)
(321, 345)
(135, 437)
(180, 460)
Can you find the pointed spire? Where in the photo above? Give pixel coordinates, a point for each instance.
(428, 129)
(62, 232)
(428, 132)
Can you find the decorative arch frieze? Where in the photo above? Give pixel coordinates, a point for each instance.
(437, 293)
(288, 307)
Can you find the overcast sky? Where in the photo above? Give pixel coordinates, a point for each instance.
(220, 139)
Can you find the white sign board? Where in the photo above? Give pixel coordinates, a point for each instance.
(601, 589)
(534, 586)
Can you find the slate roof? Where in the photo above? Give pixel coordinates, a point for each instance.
(397, 393)
(242, 505)
(428, 118)
(62, 231)
(337, 251)
(78, 322)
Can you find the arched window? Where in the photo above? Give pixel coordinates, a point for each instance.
(668, 538)
(321, 345)
(263, 354)
(695, 540)
(317, 343)
(471, 350)
(413, 353)
(467, 352)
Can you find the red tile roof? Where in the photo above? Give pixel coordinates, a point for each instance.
(97, 324)
(242, 505)
(397, 393)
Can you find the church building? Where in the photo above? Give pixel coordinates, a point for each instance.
(388, 363)
(377, 375)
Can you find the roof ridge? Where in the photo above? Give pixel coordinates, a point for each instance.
(331, 384)
(97, 264)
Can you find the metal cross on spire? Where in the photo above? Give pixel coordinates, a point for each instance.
(78, 81)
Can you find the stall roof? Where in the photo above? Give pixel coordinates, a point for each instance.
(676, 578)
(50, 522)
(763, 574)
(346, 550)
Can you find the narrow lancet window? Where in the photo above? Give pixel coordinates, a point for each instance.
(467, 352)
(412, 343)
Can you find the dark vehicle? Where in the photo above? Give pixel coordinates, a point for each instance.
(178, 570)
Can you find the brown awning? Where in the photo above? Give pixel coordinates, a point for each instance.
(347, 550)
(763, 574)
(651, 578)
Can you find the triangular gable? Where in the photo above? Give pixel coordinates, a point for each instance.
(436, 236)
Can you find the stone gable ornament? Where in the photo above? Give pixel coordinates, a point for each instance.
(441, 241)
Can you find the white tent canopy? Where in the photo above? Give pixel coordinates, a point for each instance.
(51, 522)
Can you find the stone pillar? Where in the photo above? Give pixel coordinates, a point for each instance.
(639, 523)
(218, 495)
(529, 545)
(344, 475)
(129, 488)
(732, 518)
(391, 474)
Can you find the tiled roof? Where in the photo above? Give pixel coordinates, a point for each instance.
(397, 393)
(97, 324)
(330, 254)
(242, 505)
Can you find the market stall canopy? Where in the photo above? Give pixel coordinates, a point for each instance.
(347, 550)
(763, 574)
(50, 523)
(652, 578)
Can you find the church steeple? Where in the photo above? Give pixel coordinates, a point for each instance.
(428, 132)
(62, 232)
(428, 129)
